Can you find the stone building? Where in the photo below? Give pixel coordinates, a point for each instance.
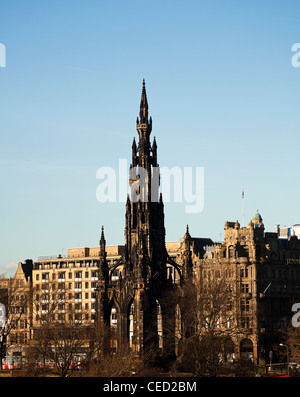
(122, 286)
(265, 271)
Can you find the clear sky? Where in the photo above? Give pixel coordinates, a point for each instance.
(222, 94)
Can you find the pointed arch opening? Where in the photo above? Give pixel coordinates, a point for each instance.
(177, 329)
(159, 325)
(114, 324)
(130, 324)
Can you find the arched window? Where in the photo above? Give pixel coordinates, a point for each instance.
(114, 319)
(246, 348)
(229, 350)
(244, 251)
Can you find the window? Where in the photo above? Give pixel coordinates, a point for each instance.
(229, 305)
(45, 297)
(245, 323)
(45, 276)
(23, 324)
(61, 276)
(244, 272)
(61, 317)
(61, 285)
(78, 317)
(245, 288)
(113, 318)
(245, 305)
(244, 251)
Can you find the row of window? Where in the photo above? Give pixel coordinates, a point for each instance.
(71, 264)
(245, 272)
(62, 317)
(62, 296)
(69, 306)
(62, 275)
(280, 288)
(279, 273)
(19, 337)
(63, 286)
(21, 324)
(65, 265)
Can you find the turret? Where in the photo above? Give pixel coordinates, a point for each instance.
(103, 268)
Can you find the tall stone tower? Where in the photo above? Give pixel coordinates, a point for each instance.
(145, 252)
(142, 279)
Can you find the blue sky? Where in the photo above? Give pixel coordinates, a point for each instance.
(222, 94)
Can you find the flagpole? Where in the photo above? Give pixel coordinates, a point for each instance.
(243, 212)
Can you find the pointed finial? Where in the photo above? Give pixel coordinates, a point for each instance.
(154, 146)
(102, 233)
(144, 105)
(187, 233)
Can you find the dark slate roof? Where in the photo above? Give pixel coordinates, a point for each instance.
(200, 244)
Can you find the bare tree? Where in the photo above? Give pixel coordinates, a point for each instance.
(63, 346)
(205, 321)
(63, 338)
(290, 351)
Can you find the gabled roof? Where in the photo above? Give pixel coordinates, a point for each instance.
(26, 269)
